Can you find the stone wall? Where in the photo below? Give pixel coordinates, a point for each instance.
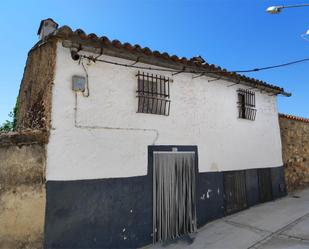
(295, 146)
(22, 189)
(34, 99)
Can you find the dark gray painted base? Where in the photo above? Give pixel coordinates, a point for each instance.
(109, 213)
(210, 204)
(252, 187)
(278, 182)
(117, 213)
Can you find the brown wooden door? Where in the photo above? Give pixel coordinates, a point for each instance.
(235, 191)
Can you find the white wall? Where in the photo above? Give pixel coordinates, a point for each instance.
(202, 113)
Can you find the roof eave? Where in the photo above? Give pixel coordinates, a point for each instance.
(91, 43)
(286, 94)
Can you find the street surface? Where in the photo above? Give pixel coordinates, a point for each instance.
(281, 224)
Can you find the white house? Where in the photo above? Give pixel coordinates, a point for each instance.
(146, 147)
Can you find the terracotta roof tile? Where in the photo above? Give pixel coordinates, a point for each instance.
(287, 116)
(67, 33)
(93, 36)
(116, 43)
(105, 40)
(128, 46)
(65, 30)
(184, 60)
(175, 58)
(146, 51)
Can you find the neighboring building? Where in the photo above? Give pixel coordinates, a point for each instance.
(295, 149)
(144, 146)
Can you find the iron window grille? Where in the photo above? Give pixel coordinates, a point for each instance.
(153, 93)
(246, 104)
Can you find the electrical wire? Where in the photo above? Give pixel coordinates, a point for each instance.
(132, 65)
(200, 73)
(271, 67)
(87, 81)
(193, 71)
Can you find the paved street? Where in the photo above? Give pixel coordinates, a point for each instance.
(281, 224)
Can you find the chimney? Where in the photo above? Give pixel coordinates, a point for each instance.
(47, 26)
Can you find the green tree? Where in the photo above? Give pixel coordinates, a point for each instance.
(7, 125)
(10, 125)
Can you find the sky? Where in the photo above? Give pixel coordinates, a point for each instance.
(234, 34)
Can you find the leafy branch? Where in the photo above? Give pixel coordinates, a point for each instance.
(10, 125)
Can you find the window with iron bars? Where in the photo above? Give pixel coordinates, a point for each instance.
(153, 93)
(246, 104)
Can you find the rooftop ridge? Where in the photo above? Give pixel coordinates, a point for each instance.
(297, 118)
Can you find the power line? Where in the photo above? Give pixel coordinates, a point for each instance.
(193, 71)
(135, 66)
(271, 67)
(79, 57)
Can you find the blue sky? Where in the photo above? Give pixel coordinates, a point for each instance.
(235, 34)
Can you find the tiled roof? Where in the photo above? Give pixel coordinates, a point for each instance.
(92, 39)
(294, 117)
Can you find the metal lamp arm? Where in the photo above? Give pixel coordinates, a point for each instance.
(294, 6)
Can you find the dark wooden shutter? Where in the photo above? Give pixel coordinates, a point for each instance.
(265, 188)
(235, 191)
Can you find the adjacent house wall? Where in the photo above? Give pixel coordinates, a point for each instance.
(102, 136)
(22, 155)
(295, 146)
(34, 100)
(22, 189)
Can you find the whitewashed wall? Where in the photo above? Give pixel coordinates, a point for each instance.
(202, 113)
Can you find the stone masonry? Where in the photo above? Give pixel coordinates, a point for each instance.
(295, 150)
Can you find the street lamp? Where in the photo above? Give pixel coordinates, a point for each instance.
(274, 9)
(278, 9)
